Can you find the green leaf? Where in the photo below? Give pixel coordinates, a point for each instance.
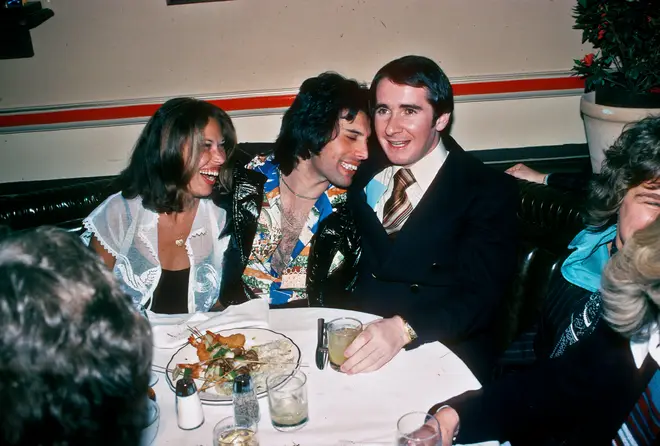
(633, 73)
(220, 353)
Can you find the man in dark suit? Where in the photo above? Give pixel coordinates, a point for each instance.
(438, 227)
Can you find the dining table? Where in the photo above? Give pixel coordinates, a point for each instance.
(360, 409)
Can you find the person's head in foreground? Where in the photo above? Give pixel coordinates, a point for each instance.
(412, 105)
(324, 133)
(178, 156)
(74, 356)
(631, 285)
(627, 191)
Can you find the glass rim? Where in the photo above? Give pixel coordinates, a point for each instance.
(339, 319)
(427, 418)
(231, 422)
(288, 376)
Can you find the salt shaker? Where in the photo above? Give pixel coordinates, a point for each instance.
(245, 399)
(189, 413)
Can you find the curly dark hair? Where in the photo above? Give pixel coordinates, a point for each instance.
(419, 72)
(312, 121)
(633, 159)
(75, 357)
(159, 171)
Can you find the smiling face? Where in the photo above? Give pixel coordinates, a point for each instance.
(404, 122)
(340, 158)
(212, 156)
(640, 207)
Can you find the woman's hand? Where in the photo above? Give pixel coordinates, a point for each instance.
(526, 173)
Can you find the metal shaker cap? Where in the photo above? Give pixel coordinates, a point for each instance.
(242, 383)
(185, 387)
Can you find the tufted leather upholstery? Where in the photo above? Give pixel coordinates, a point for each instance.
(548, 219)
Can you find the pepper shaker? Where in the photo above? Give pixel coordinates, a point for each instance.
(189, 412)
(245, 399)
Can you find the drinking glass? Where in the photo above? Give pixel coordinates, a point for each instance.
(287, 400)
(412, 430)
(341, 332)
(150, 429)
(232, 431)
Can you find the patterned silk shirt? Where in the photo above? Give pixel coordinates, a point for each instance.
(258, 275)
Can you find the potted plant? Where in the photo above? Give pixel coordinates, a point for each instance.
(622, 75)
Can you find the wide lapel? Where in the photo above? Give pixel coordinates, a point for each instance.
(439, 201)
(248, 199)
(366, 220)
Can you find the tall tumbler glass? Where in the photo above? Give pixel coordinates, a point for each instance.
(287, 400)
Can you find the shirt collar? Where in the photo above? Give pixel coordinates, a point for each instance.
(650, 346)
(427, 168)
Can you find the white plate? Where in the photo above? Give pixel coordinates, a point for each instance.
(253, 337)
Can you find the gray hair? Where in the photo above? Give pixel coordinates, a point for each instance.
(631, 284)
(633, 159)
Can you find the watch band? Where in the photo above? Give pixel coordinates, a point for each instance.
(409, 330)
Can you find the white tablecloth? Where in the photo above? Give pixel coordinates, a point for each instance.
(360, 408)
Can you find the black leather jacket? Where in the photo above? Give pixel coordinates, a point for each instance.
(335, 233)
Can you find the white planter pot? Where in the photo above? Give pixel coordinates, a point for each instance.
(603, 125)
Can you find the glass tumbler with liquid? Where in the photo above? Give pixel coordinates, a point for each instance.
(287, 400)
(232, 431)
(341, 332)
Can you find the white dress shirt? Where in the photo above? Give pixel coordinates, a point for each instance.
(650, 346)
(424, 172)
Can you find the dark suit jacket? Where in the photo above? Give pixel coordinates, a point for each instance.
(580, 398)
(449, 266)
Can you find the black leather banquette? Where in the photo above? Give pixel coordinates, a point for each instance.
(548, 219)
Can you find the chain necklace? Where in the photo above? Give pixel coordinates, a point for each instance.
(297, 195)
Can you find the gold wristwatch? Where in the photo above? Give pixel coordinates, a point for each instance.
(409, 330)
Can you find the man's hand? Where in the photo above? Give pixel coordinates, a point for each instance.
(375, 346)
(448, 419)
(526, 173)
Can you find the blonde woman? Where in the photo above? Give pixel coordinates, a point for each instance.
(631, 306)
(604, 389)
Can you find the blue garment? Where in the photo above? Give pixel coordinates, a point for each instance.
(259, 274)
(584, 266)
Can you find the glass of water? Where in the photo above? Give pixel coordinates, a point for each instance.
(232, 431)
(287, 400)
(418, 429)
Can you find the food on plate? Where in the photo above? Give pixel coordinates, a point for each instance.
(223, 358)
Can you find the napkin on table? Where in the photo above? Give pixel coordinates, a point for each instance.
(172, 331)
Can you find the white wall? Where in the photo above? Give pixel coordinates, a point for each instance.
(125, 50)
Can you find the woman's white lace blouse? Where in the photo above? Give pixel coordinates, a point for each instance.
(129, 232)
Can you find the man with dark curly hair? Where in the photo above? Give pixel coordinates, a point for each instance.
(74, 355)
(292, 235)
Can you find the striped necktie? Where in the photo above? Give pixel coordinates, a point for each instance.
(398, 207)
(643, 424)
